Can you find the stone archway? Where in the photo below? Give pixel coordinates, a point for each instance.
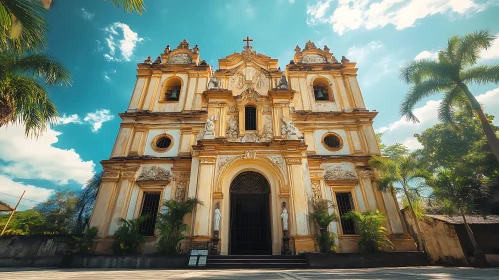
(250, 231)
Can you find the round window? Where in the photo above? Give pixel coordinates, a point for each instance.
(332, 142)
(162, 143)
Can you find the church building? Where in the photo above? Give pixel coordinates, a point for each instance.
(256, 144)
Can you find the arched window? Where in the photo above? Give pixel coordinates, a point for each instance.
(172, 89)
(322, 90)
(250, 117)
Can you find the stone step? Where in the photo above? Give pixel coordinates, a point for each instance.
(256, 261)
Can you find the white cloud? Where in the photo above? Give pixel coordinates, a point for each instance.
(369, 14)
(15, 190)
(427, 55)
(249, 11)
(360, 53)
(291, 1)
(126, 44)
(37, 158)
(97, 118)
(86, 15)
(402, 131)
(107, 75)
(74, 118)
(492, 52)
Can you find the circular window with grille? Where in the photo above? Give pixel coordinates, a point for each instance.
(162, 143)
(332, 142)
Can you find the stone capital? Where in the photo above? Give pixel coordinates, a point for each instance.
(293, 160)
(207, 160)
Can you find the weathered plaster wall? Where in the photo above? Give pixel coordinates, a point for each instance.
(173, 151)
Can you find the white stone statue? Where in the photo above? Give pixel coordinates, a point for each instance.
(289, 130)
(232, 128)
(267, 130)
(216, 219)
(284, 217)
(209, 128)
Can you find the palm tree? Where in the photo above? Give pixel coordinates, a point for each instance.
(406, 171)
(22, 26)
(458, 192)
(452, 73)
(130, 6)
(23, 98)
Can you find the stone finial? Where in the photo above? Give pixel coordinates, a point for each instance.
(167, 49)
(297, 49)
(183, 45)
(334, 59)
(344, 59)
(148, 60)
(326, 49)
(157, 61)
(310, 45)
(291, 62)
(195, 49)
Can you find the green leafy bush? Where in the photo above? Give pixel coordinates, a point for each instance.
(322, 220)
(170, 225)
(373, 235)
(85, 242)
(128, 238)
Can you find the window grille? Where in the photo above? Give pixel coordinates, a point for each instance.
(345, 205)
(150, 205)
(163, 143)
(250, 118)
(172, 93)
(321, 92)
(332, 141)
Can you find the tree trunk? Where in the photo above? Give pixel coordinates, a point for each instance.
(421, 243)
(489, 132)
(478, 253)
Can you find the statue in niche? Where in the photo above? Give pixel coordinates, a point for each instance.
(217, 217)
(148, 60)
(240, 80)
(209, 128)
(267, 133)
(180, 192)
(284, 216)
(289, 130)
(283, 83)
(232, 128)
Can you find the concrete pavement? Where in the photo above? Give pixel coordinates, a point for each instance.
(375, 273)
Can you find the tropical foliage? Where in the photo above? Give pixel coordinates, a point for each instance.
(128, 237)
(322, 219)
(23, 98)
(454, 70)
(373, 234)
(85, 242)
(406, 172)
(458, 192)
(171, 226)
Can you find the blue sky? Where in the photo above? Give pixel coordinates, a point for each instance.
(101, 46)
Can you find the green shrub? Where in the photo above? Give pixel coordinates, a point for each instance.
(322, 219)
(128, 238)
(170, 225)
(373, 235)
(85, 242)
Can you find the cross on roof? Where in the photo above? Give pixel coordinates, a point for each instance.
(247, 40)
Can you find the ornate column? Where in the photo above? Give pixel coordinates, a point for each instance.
(121, 196)
(304, 241)
(104, 202)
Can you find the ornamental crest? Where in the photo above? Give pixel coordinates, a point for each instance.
(339, 172)
(313, 58)
(154, 173)
(181, 58)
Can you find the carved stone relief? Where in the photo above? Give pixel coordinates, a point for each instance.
(313, 58)
(250, 138)
(249, 76)
(181, 58)
(222, 160)
(267, 133)
(232, 128)
(316, 189)
(180, 191)
(154, 173)
(335, 171)
(279, 161)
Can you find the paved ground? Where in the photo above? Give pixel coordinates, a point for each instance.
(378, 273)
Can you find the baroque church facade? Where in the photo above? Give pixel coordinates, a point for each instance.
(250, 141)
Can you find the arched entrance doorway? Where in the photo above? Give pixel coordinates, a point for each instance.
(250, 215)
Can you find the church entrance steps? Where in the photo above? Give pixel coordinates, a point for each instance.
(256, 261)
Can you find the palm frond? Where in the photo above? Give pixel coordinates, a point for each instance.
(481, 74)
(471, 45)
(447, 106)
(418, 70)
(22, 25)
(130, 5)
(54, 72)
(418, 92)
(451, 51)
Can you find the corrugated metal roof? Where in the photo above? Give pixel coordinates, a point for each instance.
(471, 219)
(5, 207)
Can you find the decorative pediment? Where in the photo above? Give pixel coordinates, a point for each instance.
(181, 58)
(154, 173)
(183, 54)
(313, 58)
(313, 55)
(339, 172)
